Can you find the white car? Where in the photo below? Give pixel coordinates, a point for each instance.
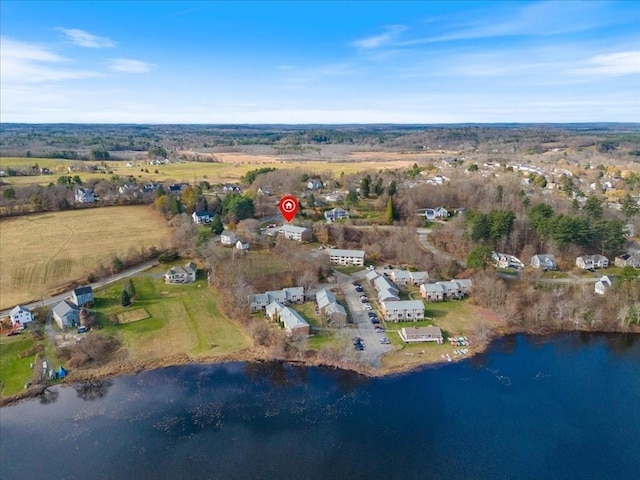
(367, 306)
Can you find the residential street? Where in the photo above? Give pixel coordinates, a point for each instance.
(51, 301)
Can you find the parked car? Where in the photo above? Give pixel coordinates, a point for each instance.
(367, 306)
(359, 289)
(82, 329)
(385, 341)
(379, 329)
(356, 284)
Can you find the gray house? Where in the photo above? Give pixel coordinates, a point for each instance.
(83, 296)
(66, 314)
(544, 262)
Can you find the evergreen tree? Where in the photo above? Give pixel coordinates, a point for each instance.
(216, 225)
(392, 188)
(130, 288)
(378, 189)
(125, 299)
(365, 186)
(390, 214)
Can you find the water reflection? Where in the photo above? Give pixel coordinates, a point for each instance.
(92, 389)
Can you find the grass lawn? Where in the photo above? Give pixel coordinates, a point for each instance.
(44, 251)
(15, 371)
(319, 340)
(182, 319)
(349, 270)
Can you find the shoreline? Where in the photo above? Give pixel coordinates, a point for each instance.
(118, 369)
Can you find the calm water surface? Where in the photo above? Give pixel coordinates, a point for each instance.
(565, 407)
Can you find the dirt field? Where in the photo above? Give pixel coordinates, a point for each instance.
(40, 252)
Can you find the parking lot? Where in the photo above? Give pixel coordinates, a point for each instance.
(365, 330)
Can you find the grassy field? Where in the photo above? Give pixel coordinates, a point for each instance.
(14, 371)
(184, 319)
(229, 168)
(41, 252)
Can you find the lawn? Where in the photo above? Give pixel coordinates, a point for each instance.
(42, 252)
(15, 371)
(183, 319)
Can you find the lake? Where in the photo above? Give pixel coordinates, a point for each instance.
(561, 407)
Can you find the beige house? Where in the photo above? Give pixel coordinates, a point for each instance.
(421, 334)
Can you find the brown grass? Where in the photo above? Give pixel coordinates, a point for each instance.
(132, 315)
(41, 252)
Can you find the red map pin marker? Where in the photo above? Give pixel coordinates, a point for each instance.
(288, 207)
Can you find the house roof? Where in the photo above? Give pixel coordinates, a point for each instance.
(274, 308)
(83, 291)
(545, 257)
(324, 297)
(382, 283)
(191, 267)
(401, 275)
(292, 319)
(64, 307)
(17, 309)
(176, 270)
(335, 308)
(385, 294)
(403, 305)
(464, 282)
(432, 287)
(371, 275)
(259, 298)
(422, 332)
(335, 252)
(419, 276)
(201, 213)
(293, 291)
(292, 229)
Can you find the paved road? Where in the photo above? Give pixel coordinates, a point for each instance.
(423, 238)
(58, 298)
(364, 328)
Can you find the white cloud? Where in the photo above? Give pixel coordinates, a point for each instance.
(619, 63)
(82, 38)
(376, 41)
(22, 62)
(129, 65)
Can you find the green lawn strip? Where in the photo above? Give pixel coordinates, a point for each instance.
(15, 371)
(319, 339)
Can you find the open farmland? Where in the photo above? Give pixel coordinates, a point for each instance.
(229, 167)
(39, 253)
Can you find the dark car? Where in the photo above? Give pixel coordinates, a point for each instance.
(356, 284)
(359, 289)
(375, 320)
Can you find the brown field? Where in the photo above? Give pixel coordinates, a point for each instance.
(41, 252)
(133, 315)
(230, 167)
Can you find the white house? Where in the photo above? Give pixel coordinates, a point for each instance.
(85, 195)
(242, 245)
(405, 277)
(20, 315)
(66, 314)
(335, 214)
(436, 213)
(421, 334)
(177, 274)
(432, 292)
(381, 283)
(314, 184)
(292, 232)
(589, 262)
(201, 217)
(504, 260)
(387, 295)
(544, 262)
(346, 257)
(404, 310)
(602, 285)
(228, 238)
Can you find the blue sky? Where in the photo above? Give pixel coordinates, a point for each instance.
(322, 62)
